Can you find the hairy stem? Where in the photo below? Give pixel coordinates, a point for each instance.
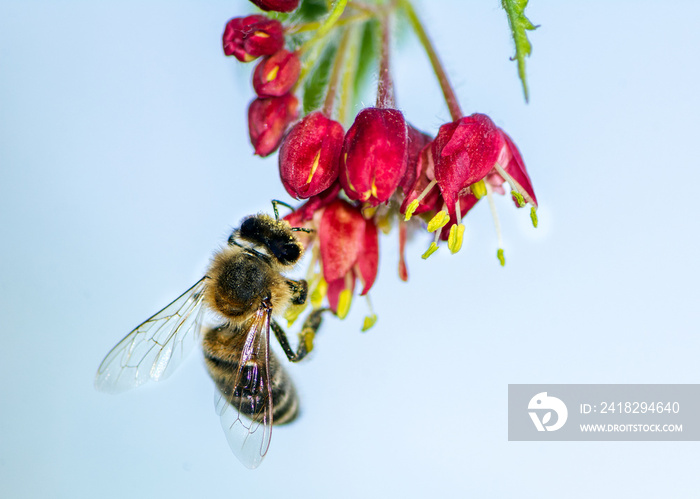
(447, 91)
(328, 23)
(385, 88)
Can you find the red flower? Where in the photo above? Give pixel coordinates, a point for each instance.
(268, 120)
(310, 154)
(248, 38)
(375, 155)
(464, 152)
(275, 75)
(349, 248)
(277, 5)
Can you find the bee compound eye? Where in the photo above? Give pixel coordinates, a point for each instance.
(288, 253)
(250, 228)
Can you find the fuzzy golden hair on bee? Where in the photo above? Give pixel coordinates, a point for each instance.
(239, 281)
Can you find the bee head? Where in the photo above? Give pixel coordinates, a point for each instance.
(275, 236)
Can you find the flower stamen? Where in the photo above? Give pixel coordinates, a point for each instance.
(497, 223)
(371, 319)
(414, 204)
(433, 246)
(440, 219)
(478, 189)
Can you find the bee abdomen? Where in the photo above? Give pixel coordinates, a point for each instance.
(247, 392)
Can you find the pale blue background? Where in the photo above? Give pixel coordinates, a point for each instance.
(125, 161)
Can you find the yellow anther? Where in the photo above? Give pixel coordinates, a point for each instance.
(519, 198)
(261, 34)
(314, 166)
(293, 312)
(479, 189)
(501, 257)
(369, 322)
(413, 205)
(368, 210)
(454, 241)
(272, 74)
(438, 221)
(319, 293)
(533, 216)
(344, 301)
(431, 249)
(374, 189)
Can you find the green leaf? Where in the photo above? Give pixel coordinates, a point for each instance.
(312, 10)
(368, 55)
(519, 25)
(317, 81)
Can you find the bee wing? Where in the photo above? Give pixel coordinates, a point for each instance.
(246, 414)
(155, 348)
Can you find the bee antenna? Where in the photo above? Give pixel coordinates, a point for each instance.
(302, 229)
(275, 202)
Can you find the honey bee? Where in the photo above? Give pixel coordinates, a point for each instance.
(244, 285)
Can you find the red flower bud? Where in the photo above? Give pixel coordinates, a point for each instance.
(275, 75)
(374, 155)
(268, 120)
(464, 152)
(277, 5)
(309, 155)
(248, 38)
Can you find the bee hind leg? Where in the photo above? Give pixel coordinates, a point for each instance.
(306, 336)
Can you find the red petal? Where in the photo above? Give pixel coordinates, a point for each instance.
(315, 203)
(514, 166)
(417, 140)
(341, 232)
(368, 259)
(335, 288)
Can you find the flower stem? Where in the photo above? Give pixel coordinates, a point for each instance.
(333, 16)
(335, 74)
(385, 88)
(346, 86)
(448, 92)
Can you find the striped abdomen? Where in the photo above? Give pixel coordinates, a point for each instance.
(245, 386)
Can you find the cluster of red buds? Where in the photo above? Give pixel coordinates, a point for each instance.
(379, 172)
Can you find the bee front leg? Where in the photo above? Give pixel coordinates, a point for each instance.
(306, 336)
